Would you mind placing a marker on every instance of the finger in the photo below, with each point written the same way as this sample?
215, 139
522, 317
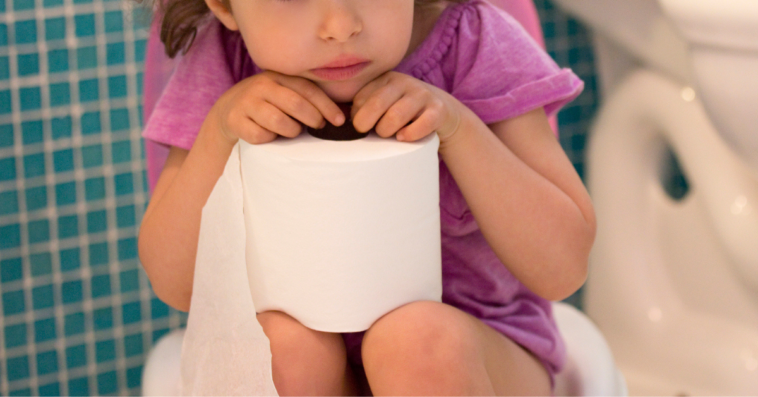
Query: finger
294, 105
271, 118
402, 112
254, 134
425, 124
316, 97
376, 105
365, 92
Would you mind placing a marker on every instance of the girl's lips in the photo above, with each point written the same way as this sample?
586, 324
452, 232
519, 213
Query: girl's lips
340, 73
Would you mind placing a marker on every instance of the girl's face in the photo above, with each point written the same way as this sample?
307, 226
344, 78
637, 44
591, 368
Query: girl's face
339, 44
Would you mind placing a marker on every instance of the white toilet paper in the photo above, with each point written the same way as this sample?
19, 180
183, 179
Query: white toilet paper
340, 233
225, 351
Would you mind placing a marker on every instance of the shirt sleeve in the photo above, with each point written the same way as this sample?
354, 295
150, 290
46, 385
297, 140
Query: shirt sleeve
200, 78
501, 72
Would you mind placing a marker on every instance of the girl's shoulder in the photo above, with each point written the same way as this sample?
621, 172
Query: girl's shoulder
465, 31
487, 60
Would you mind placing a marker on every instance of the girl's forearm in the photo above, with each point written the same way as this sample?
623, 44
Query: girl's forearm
537, 230
171, 225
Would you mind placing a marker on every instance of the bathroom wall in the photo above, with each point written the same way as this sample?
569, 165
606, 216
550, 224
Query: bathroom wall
78, 316
570, 44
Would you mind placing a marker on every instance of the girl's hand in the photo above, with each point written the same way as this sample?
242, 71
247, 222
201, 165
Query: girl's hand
395, 103
266, 105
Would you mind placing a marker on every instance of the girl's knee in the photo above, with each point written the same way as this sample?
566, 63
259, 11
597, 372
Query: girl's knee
428, 332
425, 348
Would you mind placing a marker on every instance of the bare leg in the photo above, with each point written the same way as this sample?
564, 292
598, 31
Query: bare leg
429, 348
306, 362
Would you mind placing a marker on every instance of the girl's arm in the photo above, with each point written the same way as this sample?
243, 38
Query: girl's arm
170, 228
526, 197
529, 202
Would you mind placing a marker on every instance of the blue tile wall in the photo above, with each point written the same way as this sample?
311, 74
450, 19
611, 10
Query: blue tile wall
570, 44
78, 315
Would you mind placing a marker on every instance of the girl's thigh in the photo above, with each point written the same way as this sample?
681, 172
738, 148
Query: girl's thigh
433, 348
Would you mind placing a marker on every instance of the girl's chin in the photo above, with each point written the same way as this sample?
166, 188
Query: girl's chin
342, 93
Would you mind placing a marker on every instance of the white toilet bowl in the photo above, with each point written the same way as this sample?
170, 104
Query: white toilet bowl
590, 368
161, 375
589, 371
712, 45
723, 51
673, 283
663, 287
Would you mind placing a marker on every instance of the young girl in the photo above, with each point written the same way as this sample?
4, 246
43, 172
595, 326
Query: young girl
517, 223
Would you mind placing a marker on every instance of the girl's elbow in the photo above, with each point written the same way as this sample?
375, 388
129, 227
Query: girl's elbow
577, 265
168, 292
164, 286
574, 280
176, 301
566, 285
574, 268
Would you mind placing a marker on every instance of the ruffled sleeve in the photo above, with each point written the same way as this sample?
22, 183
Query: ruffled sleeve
200, 78
498, 71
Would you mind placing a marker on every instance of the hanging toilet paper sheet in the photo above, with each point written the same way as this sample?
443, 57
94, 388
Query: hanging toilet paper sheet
335, 234
225, 351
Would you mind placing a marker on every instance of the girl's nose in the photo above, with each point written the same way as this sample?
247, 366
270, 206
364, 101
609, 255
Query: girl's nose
340, 21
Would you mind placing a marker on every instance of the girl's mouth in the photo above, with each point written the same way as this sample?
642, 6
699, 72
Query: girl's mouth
342, 72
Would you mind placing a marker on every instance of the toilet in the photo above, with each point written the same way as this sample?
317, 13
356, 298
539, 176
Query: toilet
673, 281
723, 49
590, 368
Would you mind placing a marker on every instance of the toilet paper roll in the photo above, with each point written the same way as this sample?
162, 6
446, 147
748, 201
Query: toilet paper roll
340, 233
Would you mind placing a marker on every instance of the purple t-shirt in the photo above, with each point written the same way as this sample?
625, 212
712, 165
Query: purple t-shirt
483, 58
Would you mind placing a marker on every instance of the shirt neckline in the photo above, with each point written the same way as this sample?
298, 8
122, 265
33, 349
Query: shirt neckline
436, 44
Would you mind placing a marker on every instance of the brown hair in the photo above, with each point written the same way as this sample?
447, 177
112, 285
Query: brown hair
182, 18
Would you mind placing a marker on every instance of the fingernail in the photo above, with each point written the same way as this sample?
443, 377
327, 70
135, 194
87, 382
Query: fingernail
400, 137
339, 120
323, 124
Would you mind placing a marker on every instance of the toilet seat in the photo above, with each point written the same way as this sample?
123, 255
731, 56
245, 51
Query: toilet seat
590, 369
